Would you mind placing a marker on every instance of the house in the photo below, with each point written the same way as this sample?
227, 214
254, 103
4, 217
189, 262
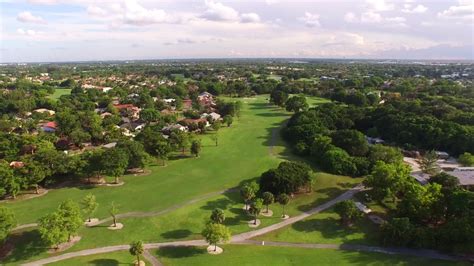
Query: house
206, 99
187, 105
169, 100
44, 111
110, 145
189, 121
215, 116
374, 140
421, 177
17, 164
174, 127
49, 127
362, 207
442, 155
465, 175
128, 110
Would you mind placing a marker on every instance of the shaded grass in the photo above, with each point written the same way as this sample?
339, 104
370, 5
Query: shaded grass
59, 92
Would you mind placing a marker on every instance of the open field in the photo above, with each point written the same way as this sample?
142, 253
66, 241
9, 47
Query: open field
59, 92
266, 255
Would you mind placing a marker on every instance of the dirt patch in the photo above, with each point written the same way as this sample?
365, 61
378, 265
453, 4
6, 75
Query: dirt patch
284, 217
267, 214
252, 223
64, 246
140, 263
118, 226
91, 222
214, 250
27, 195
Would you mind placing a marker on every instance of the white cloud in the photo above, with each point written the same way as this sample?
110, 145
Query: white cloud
310, 20
417, 9
250, 18
380, 5
27, 17
220, 12
370, 17
350, 17
465, 10
96, 11
26, 32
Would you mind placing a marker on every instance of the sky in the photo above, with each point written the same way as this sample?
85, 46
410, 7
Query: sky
85, 30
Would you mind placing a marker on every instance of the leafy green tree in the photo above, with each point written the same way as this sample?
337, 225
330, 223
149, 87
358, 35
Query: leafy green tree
51, 229
136, 249
296, 104
154, 143
228, 120
398, 231
218, 216
348, 212
466, 159
113, 210
256, 208
278, 97
70, 213
9, 182
114, 163
283, 199
215, 233
338, 161
288, 177
149, 115
352, 141
384, 153
7, 223
268, 199
179, 140
89, 205
248, 192
216, 125
137, 156
386, 180
196, 147
428, 163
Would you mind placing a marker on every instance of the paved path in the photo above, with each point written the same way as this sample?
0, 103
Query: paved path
152, 259
144, 214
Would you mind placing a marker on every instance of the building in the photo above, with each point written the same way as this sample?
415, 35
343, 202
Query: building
465, 175
49, 127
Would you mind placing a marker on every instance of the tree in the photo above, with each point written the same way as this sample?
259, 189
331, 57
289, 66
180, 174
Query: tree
398, 231
248, 192
352, 141
179, 140
387, 154
7, 222
114, 163
196, 147
466, 159
386, 180
136, 249
70, 213
89, 205
9, 182
278, 97
283, 199
348, 212
296, 104
113, 212
216, 125
149, 115
338, 161
136, 154
428, 163
268, 199
228, 120
218, 216
215, 233
51, 229
215, 138
256, 208
288, 177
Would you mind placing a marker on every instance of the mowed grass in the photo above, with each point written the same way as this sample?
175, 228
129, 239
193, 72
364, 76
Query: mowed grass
242, 154
59, 92
325, 228
186, 222
283, 256
106, 259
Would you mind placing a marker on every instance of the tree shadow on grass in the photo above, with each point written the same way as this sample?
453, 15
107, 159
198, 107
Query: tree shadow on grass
176, 234
179, 252
327, 194
27, 244
222, 203
106, 262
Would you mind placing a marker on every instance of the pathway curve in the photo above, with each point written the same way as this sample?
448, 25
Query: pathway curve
145, 214
152, 259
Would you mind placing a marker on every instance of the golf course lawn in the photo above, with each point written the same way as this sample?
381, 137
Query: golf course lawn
184, 223
325, 228
274, 256
105, 259
59, 92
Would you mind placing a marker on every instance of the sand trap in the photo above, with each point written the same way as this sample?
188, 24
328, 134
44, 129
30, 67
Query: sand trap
284, 217
65, 246
121, 183
91, 222
252, 223
140, 263
267, 214
117, 227
211, 250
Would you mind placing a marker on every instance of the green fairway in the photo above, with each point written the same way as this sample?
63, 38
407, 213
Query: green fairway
275, 256
59, 92
325, 228
106, 259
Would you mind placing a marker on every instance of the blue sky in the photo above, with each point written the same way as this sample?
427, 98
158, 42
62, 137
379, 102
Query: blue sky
67, 30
